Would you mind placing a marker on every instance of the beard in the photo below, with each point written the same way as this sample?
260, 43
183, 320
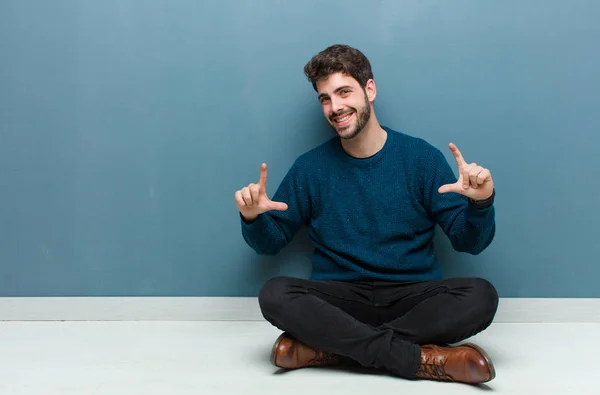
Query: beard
362, 117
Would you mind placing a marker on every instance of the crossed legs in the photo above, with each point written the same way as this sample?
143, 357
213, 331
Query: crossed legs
379, 324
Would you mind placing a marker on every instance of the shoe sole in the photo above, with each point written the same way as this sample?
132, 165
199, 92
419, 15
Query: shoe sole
486, 357
275, 346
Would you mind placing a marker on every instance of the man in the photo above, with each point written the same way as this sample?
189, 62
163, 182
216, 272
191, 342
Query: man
371, 198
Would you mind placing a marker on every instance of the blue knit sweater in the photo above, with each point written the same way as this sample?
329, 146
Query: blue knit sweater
372, 218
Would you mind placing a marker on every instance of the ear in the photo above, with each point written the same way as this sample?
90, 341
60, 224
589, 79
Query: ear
371, 90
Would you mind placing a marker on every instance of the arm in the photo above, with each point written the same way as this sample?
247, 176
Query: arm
270, 231
470, 226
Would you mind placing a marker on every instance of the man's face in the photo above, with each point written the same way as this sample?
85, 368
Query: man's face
345, 104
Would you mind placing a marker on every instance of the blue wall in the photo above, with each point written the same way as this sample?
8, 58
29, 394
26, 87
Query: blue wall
126, 127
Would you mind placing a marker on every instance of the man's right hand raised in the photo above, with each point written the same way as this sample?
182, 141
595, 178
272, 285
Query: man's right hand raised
253, 201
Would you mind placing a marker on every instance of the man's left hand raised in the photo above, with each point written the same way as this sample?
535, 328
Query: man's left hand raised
474, 181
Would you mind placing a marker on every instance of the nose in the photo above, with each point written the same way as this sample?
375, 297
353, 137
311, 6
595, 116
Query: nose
336, 105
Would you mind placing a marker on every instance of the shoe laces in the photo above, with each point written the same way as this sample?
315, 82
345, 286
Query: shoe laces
322, 357
432, 368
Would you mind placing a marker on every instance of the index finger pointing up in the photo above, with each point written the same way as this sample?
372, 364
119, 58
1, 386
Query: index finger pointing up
457, 155
263, 176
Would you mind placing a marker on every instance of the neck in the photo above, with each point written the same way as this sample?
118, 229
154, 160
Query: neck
368, 142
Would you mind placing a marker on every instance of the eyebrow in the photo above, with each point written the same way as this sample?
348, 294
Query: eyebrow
335, 91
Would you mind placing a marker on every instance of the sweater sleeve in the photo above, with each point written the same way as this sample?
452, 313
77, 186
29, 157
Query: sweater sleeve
469, 229
273, 230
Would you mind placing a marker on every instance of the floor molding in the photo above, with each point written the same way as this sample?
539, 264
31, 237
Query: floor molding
510, 310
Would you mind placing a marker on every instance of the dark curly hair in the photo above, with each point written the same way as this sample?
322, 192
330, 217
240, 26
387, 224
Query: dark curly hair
339, 58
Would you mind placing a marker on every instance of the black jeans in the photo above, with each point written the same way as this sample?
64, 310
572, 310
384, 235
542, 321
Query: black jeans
376, 323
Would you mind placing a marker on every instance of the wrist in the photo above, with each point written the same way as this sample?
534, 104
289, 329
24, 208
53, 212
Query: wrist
248, 219
485, 203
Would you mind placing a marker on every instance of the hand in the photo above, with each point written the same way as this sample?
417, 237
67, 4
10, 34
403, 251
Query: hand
474, 181
253, 201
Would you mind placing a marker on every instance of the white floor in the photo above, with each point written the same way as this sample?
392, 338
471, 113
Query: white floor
205, 358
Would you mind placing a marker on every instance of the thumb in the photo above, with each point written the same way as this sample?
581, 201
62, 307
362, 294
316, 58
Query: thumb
450, 188
278, 206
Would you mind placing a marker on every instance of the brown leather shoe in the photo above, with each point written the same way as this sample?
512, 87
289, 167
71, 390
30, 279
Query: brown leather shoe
466, 363
289, 353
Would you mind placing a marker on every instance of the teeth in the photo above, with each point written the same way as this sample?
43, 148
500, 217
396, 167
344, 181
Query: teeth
345, 118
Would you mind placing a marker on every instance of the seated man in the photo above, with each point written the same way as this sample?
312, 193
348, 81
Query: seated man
371, 198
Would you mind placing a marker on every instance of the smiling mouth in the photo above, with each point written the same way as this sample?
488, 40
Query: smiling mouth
344, 119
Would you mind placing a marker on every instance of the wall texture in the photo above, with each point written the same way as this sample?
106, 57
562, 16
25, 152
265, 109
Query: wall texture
126, 126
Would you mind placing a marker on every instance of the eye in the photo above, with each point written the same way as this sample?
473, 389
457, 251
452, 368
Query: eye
324, 100
345, 92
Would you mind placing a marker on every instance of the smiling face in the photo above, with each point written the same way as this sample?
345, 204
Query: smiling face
346, 105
